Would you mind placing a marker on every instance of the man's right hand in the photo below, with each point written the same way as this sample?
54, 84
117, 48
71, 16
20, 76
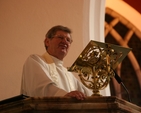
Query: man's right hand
76, 94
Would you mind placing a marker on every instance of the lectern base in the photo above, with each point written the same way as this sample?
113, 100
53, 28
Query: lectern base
93, 104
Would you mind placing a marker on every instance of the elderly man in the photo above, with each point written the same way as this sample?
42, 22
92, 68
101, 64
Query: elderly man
45, 75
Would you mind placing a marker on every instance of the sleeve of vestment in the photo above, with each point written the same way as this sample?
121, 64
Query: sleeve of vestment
36, 80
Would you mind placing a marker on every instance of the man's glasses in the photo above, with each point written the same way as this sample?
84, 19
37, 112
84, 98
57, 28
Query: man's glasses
69, 40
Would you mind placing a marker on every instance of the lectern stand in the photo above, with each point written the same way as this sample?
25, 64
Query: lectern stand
93, 104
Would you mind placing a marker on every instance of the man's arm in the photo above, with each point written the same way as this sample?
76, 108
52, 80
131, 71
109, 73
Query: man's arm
36, 80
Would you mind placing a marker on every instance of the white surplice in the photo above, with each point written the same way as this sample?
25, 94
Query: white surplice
46, 76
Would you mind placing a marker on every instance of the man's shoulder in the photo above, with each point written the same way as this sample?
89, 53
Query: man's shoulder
34, 57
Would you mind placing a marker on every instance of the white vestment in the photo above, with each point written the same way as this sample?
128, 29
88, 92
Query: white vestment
46, 76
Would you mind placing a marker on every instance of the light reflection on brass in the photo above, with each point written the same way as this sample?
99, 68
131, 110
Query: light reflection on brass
96, 63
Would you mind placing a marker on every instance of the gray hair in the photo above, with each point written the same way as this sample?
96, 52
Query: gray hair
51, 32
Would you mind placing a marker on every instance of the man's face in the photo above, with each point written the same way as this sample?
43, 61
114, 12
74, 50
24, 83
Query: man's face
59, 45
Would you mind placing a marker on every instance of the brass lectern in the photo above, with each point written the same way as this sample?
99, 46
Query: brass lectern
96, 64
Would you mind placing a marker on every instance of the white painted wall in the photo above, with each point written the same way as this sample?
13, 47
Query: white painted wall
23, 25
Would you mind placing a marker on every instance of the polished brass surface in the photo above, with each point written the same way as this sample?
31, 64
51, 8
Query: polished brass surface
96, 63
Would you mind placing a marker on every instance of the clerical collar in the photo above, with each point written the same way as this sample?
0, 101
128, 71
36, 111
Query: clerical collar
57, 61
